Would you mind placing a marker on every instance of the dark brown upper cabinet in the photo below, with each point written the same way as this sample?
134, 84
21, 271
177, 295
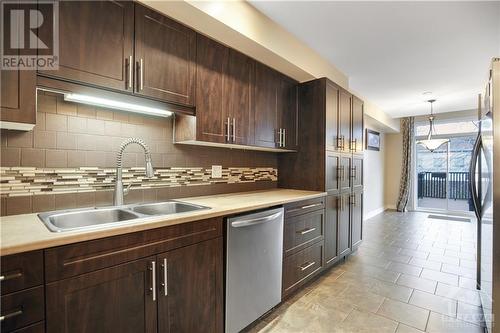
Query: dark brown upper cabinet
165, 54
266, 114
344, 120
18, 99
357, 125
333, 142
96, 43
275, 109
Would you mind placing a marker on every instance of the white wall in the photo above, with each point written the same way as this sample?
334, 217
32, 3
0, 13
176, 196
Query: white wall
373, 175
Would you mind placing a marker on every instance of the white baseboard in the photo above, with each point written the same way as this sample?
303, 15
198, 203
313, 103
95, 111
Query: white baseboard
373, 213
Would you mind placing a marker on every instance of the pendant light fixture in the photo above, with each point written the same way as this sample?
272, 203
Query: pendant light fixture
430, 143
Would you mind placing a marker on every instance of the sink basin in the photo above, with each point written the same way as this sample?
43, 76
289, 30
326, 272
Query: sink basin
85, 219
164, 208
95, 218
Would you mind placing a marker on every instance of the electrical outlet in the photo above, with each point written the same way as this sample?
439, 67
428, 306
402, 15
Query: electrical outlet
216, 171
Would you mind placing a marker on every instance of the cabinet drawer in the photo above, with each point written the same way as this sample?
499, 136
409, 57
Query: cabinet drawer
301, 266
305, 206
75, 259
21, 271
22, 308
303, 230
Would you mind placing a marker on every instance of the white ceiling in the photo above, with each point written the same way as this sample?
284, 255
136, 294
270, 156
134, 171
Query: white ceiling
395, 51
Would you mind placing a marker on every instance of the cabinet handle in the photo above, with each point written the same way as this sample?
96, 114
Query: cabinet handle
353, 172
353, 200
234, 129
141, 74
129, 72
11, 315
165, 277
228, 130
280, 133
284, 137
152, 268
339, 142
10, 276
342, 137
306, 231
306, 265
310, 206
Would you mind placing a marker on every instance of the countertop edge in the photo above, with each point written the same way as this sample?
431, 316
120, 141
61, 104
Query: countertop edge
158, 222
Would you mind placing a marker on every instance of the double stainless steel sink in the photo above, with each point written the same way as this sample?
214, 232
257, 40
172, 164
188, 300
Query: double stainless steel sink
94, 218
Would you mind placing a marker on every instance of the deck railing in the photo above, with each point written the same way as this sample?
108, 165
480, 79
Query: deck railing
433, 185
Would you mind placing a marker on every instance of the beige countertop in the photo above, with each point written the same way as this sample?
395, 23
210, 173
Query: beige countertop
21, 233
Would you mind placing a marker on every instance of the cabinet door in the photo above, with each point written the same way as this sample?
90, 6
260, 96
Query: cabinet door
333, 172
344, 120
356, 172
266, 106
333, 141
331, 225
96, 42
116, 299
343, 231
190, 295
211, 117
344, 173
238, 90
165, 53
357, 125
18, 96
356, 219
288, 112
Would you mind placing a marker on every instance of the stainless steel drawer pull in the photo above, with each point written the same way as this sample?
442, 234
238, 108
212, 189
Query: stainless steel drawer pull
130, 72
153, 279
306, 231
310, 206
165, 277
10, 315
141, 75
10, 276
284, 137
307, 265
228, 132
234, 129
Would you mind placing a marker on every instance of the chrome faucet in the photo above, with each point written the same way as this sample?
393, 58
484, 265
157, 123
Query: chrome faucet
119, 192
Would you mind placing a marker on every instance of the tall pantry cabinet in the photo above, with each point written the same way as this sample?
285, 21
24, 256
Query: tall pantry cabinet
330, 159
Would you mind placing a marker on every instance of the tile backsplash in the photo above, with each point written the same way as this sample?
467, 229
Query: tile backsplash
85, 139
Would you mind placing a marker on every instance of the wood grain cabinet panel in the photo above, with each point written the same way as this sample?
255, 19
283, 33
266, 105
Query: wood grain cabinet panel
211, 113
345, 173
22, 308
356, 172
95, 43
116, 299
266, 114
303, 230
345, 120
333, 172
190, 289
344, 225
356, 218
331, 226
21, 271
357, 125
165, 53
288, 113
332, 140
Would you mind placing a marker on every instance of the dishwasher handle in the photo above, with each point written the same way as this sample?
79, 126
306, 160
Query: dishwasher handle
258, 220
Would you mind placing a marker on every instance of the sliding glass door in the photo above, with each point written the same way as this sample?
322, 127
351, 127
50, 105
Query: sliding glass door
442, 176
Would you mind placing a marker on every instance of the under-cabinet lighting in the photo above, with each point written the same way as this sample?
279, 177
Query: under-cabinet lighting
114, 104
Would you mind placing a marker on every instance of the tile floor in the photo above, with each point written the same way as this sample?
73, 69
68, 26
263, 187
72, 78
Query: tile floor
411, 274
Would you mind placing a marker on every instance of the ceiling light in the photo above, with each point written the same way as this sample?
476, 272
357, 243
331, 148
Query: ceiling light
430, 143
114, 104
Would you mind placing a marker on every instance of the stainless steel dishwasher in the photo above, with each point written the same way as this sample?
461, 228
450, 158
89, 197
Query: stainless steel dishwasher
254, 256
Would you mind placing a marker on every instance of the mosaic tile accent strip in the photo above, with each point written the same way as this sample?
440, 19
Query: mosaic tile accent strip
25, 181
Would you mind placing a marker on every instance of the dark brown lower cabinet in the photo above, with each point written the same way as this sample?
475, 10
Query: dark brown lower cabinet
356, 219
343, 228
331, 225
189, 288
115, 299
